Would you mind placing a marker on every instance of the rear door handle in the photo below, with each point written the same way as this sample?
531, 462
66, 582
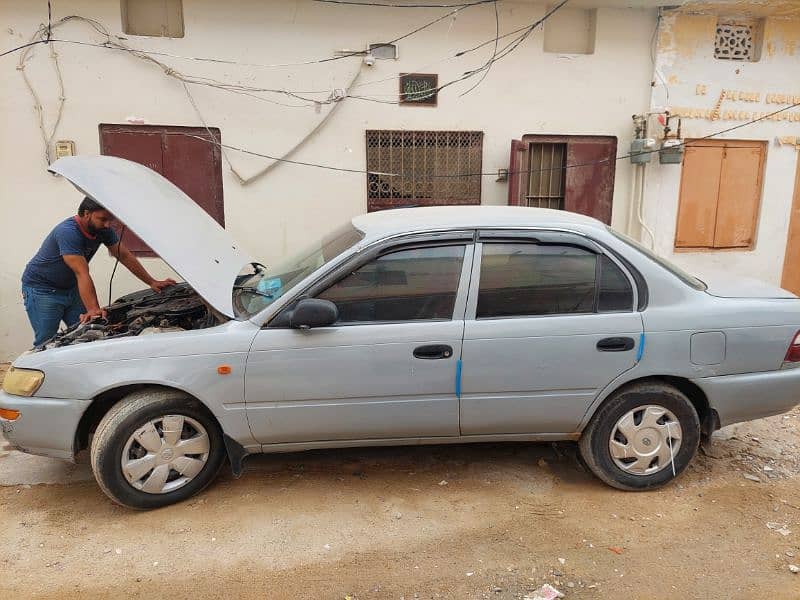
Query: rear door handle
616, 344
433, 351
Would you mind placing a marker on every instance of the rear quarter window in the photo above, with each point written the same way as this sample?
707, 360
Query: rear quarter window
685, 277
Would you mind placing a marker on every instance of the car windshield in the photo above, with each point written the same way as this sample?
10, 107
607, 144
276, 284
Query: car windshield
253, 291
690, 280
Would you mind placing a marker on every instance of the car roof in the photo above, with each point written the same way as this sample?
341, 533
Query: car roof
408, 220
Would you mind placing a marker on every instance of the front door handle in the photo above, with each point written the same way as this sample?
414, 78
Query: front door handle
433, 351
616, 344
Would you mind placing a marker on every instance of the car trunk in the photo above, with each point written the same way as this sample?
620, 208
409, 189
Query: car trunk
743, 287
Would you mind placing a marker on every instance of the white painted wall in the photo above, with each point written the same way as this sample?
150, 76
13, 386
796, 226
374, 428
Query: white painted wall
529, 92
685, 59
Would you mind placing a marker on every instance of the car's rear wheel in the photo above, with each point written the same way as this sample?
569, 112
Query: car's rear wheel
156, 447
642, 437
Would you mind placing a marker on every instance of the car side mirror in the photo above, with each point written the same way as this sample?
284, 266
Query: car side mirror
313, 312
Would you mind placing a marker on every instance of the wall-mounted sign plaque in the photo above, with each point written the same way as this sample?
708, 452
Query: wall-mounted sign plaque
418, 88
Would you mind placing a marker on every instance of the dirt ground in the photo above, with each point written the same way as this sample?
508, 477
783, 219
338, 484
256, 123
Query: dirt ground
471, 521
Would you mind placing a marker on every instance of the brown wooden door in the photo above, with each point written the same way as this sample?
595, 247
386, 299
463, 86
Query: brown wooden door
588, 169
791, 262
187, 156
590, 179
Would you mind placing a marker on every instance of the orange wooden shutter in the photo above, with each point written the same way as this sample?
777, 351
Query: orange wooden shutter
791, 262
697, 210
739, 195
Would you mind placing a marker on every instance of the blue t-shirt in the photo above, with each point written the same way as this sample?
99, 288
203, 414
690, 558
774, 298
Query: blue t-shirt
48, 269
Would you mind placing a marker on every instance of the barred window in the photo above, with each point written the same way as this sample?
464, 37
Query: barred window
423, 168
547, 175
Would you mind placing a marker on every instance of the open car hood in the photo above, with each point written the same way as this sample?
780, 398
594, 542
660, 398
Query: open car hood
166, 219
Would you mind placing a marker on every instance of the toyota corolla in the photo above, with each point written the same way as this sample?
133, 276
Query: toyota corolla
411, 326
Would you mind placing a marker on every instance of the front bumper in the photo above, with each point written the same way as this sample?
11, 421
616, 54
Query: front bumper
45, 426
751, 396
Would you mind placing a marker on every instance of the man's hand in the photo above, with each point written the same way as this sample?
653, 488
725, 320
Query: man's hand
93, 314
159, 284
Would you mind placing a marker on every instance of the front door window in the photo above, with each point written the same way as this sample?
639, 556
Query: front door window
415, 284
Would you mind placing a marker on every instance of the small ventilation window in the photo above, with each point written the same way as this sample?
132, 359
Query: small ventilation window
737, 41
155, 18
383, 51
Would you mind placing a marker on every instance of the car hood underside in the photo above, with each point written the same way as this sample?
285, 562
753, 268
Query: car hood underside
166, 219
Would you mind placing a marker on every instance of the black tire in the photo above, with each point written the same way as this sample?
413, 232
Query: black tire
594, 442
123, 419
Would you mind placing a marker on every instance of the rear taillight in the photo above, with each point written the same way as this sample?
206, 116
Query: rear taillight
793, 353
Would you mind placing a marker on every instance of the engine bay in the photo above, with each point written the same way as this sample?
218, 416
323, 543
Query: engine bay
176, 308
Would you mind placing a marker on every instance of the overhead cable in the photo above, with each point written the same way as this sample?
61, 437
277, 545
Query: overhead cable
494, 54
328, 59
482, 174
505, 51
23, 46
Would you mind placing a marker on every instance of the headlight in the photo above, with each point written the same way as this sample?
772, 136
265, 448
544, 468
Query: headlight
22, 382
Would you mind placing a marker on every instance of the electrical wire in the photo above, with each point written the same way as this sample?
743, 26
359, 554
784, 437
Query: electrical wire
656, 70
47, 139
49, 22
526, 31
480, 174
494, 54
116, 263
119, 46
510, 47
23, 46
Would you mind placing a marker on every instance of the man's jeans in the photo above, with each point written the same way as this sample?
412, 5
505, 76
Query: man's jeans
47, 307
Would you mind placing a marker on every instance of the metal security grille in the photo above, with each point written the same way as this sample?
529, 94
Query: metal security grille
422, 168
547, 175
734, 42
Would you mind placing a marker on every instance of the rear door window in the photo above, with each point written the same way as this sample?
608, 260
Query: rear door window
525, 279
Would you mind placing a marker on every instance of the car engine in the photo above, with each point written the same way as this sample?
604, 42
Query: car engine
176, 308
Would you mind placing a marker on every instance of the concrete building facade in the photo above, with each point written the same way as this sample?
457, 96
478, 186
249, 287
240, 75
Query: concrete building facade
160, 81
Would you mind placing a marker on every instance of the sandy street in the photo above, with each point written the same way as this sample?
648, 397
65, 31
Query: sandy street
472, 521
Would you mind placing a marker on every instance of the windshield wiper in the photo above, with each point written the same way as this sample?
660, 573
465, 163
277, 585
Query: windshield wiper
253, 291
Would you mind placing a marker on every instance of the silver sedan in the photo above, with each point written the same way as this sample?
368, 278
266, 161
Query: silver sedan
412, 326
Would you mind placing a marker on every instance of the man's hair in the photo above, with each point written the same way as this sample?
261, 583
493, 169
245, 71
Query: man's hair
89, 205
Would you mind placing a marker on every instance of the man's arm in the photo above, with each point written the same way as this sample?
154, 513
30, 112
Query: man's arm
132, 263
86, 289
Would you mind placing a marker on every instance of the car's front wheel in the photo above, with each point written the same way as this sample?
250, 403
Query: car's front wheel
156, 447
642, 437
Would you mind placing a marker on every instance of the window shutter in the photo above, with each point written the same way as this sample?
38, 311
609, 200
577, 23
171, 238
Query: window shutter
697, 213
720, 194
739, 193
